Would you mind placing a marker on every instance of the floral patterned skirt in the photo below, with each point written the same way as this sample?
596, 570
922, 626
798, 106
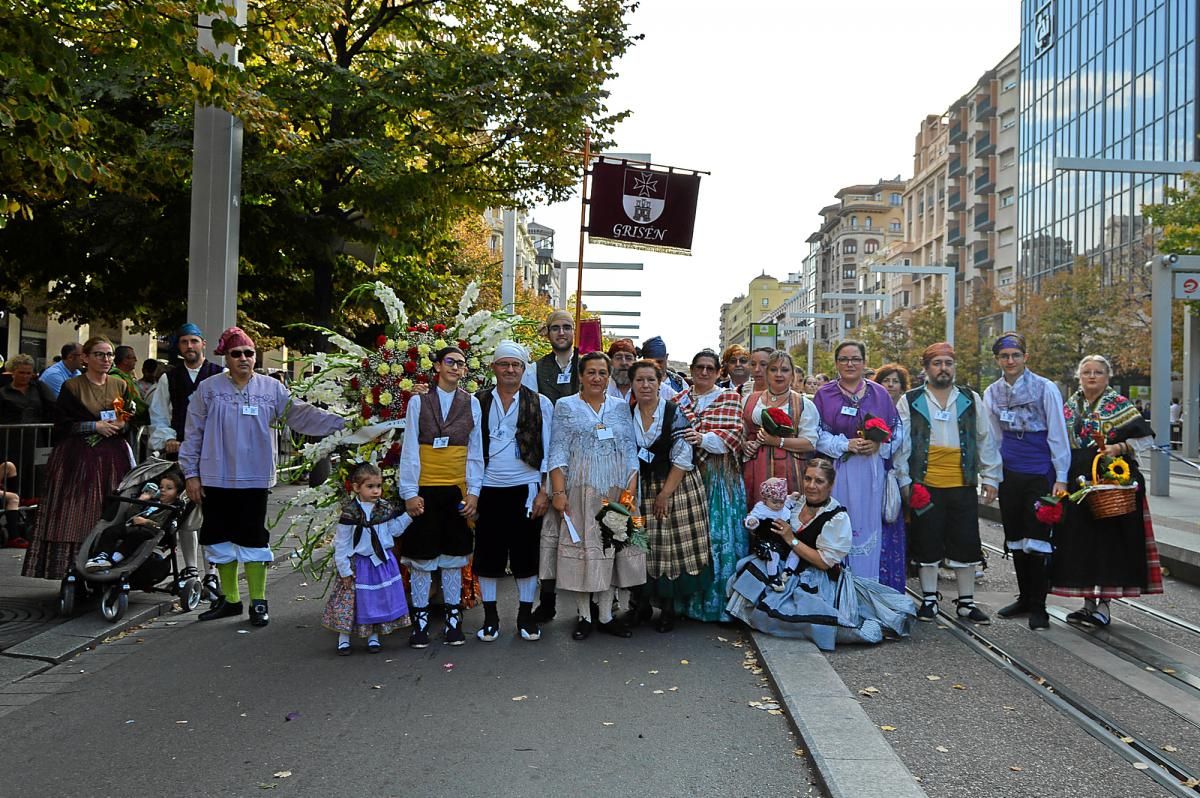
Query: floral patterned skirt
374, 604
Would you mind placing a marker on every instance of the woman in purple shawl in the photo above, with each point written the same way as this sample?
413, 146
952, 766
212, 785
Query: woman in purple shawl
845, 404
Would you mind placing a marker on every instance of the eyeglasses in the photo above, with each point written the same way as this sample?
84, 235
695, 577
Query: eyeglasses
105, 355
1093, 374
241, 354
454, 363
561, 328
848, 360
704, 369
741, 360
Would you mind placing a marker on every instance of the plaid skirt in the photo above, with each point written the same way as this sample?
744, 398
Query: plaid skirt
679, 543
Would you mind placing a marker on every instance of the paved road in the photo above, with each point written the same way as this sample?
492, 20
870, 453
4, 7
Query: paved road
203, 708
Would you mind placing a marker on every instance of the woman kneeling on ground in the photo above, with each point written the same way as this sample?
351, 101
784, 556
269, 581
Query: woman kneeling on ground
823, 602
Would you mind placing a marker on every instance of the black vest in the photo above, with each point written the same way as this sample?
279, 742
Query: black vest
181, 388
547, 377
530, 446
660, 466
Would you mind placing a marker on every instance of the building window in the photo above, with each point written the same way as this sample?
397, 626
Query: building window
849, 247
868, 222
849, 273
1007, 200
894, 226
894, 199
766, 303
854, 221
1009, 85
870, 245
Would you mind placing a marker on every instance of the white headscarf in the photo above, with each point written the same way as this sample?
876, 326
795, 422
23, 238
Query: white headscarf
510, 348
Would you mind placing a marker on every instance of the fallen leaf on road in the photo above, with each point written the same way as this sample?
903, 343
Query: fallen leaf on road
1008, 708
377, 687
282, 774
684, 662
658, 692
869, 692
798, 752
520, 697
959, 686
1151, 668
288, 716
1126, 739
1015, 768
774, 711
933, 678
1170, 749
241, 632
1191, 783
180, 721
447, 666
267, 786
723, 639
754, 704
943, 749
1168, 670
673, 689
1141, 766
651, 671
888, 728
128, 722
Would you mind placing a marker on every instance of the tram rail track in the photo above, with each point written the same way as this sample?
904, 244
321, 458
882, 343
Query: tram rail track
1177, 778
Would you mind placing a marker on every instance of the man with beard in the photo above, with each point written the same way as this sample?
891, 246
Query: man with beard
623, 354
168, 419
515, 428
947, 449
554, 375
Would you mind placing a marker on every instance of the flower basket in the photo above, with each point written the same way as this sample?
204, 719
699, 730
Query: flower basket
1107, 500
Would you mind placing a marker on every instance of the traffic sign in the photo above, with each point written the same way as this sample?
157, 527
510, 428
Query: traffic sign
1187, 285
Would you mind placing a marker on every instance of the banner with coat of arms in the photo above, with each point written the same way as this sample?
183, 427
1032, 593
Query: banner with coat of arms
642, 208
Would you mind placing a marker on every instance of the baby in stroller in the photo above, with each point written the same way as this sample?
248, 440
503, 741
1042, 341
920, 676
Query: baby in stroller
120, 541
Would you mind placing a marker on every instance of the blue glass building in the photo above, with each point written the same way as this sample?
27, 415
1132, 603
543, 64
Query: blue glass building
1100, 79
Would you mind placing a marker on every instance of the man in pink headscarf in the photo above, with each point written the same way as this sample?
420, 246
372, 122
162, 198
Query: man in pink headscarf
228, 458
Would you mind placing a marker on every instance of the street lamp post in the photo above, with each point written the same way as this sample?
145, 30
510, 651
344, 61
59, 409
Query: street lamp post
948, 289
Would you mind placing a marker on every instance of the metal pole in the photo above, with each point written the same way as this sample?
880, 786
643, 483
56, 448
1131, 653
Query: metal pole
811, 336
1191, 384
1160, 375
583, 200
508, 272
216, 189
950, 307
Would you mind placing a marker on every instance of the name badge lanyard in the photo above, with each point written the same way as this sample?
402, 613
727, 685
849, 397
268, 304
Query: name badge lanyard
1007, 410
246, 409
852, 400
498, 432
600, 427
939, 413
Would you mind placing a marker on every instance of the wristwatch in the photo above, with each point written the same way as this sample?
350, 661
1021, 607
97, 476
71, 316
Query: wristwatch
794, 543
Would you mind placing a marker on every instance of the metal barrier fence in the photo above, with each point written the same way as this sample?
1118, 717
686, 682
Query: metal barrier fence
26, 447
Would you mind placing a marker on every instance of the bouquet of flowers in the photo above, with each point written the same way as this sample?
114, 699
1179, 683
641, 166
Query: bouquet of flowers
371, 388
875, 429
777, 422
919, 501
1049, 509
619, 526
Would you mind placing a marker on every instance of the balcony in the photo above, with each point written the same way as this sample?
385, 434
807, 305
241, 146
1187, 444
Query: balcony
952, 261
954, 234
985, 145
985, 183
957, 166
982, 256
985, 216
984, 107
957, 201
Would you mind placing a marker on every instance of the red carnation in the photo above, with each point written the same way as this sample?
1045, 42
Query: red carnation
412, 329
404, 397
422, 378
381, 340
386, 354
375, 392
354, 383
366, 363
439, 328
366, 410
920, 500
385, 413
1048, 513
463, 345
422, 327
410, 367
876, 429
413, 353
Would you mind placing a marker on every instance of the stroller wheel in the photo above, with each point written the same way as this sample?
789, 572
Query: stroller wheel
66, 597
114, 602
189, 595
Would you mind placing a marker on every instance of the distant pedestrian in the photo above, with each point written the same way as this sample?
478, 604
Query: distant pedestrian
228, 457
368, 595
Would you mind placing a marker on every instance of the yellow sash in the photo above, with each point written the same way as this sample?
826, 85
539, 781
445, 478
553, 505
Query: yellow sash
446, 466
945, 467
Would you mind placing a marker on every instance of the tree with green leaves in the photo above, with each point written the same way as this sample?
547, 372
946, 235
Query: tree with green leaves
381, 126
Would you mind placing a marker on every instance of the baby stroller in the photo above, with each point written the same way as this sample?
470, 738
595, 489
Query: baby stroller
154, 560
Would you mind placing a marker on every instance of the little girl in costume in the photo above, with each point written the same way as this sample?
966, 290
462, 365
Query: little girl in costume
774, 505
368, 596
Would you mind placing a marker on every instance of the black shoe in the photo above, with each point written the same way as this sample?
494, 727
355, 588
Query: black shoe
927, 611
258, 612
1080, 618
420, 633
488, 633
221, 609
583, 629
1016, 609
970, 612
545, 609
615, 628
343, 649
453, 629
666, 621
641, 613
1038, 618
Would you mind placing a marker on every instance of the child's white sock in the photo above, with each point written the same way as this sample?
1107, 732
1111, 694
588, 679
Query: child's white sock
343, 638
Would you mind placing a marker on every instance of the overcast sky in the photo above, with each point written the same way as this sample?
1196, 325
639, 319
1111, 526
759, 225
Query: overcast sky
785, 102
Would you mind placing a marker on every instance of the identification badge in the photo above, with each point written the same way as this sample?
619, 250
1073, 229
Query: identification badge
604, 434
499, 433
1008, 416
249, 410
645, 455
564, 379
847, 410
108, 415
942, 415
441, 443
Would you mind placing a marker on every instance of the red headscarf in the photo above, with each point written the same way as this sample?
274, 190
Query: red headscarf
940, 349
231, 339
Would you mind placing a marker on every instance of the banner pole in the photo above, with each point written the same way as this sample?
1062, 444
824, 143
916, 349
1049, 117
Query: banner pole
587, 157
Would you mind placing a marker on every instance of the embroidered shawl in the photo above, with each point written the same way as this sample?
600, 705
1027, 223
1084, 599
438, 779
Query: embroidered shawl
722, 417
1111, 413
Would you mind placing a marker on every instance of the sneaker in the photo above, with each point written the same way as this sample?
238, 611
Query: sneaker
529, 630
258, 612
1100, 619
971, 612
927, 611
488, 633
98, 563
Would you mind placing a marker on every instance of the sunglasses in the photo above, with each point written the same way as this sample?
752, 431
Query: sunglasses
246, 354
703, 369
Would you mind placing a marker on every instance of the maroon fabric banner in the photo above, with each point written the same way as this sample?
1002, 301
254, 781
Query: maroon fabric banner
643, 208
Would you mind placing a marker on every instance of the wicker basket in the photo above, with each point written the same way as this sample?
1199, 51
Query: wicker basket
1110, 501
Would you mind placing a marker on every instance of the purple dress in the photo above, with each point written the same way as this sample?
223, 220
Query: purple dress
877, 549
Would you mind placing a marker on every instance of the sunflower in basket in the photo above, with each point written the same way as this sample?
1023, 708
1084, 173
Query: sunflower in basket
1118, 471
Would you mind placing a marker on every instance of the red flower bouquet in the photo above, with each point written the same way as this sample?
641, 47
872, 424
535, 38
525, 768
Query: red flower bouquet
1048, 513
777, 422
875, 429
920, 501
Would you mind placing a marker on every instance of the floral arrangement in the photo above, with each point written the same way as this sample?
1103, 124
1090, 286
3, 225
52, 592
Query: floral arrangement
619, 526
875, 429
371, 389
120, 415
1049, 509
777, 422
919, 501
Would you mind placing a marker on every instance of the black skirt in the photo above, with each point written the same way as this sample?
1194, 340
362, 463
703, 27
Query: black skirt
235, 515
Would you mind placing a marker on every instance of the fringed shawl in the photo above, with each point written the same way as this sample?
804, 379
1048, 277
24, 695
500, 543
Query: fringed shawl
722, 417
1111, 413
